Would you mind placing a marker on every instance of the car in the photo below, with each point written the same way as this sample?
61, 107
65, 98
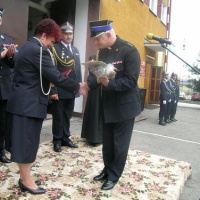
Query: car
195, 96
182, 95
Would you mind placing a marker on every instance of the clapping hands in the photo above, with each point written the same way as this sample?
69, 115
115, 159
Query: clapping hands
83, 88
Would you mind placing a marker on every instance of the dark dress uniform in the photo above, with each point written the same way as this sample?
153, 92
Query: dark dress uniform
119, 105
172, 85
164, 100
177, 92
6, 64
68, 61
92, 127
29, 98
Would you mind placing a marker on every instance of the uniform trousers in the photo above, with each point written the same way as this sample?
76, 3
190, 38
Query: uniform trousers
116, 141
62, 111
162, 112
3, 121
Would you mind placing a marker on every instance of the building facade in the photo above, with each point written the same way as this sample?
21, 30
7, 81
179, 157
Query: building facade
132, 20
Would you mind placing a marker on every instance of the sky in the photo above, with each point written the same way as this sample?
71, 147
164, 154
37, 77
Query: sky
184, 28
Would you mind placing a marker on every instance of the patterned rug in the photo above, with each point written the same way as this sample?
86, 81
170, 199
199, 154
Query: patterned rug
69, 175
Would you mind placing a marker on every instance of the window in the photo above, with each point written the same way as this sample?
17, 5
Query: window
164, 13
153, 6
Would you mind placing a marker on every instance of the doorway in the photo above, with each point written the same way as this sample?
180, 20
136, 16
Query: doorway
59, 10
156, 77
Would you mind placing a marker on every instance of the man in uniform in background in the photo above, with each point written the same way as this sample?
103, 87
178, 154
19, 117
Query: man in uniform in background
68, 63
165, 93
7, 50
173, 88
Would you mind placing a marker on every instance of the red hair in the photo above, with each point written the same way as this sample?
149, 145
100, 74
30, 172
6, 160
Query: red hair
49, 27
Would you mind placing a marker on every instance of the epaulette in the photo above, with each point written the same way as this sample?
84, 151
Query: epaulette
127, 43
66, 64
6, 35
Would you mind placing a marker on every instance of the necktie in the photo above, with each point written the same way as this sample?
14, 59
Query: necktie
68, 47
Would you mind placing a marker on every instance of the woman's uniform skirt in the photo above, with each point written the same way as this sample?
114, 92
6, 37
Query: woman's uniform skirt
23, 138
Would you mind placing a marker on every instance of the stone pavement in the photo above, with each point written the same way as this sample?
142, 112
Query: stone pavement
179, 140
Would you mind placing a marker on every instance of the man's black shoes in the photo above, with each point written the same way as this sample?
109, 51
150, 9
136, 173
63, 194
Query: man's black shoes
69, 144
57, 148
108, 185
100, 177
4, 159
162, 123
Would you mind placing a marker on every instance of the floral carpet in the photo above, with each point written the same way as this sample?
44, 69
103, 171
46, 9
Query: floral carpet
69, 175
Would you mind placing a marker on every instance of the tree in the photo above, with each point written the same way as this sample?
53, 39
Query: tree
196, 66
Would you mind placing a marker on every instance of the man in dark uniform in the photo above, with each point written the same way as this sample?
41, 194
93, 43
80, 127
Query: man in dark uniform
173, 88
164, 98
119, 100
177, 92
7, 50
68, 62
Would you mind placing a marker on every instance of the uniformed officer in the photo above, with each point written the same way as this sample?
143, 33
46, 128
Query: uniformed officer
177, 91
165, 93
68, 63
119, 99
172, 86
7, 50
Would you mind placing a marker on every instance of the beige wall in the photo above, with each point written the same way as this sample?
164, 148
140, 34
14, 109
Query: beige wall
132, 20
15, 20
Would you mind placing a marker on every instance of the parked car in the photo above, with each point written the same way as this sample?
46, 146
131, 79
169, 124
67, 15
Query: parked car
195, 96
182, 95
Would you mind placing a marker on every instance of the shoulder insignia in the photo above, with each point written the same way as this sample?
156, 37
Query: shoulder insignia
66, 64
127, 43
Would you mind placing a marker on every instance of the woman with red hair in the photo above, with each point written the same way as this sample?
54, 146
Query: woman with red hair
27, 104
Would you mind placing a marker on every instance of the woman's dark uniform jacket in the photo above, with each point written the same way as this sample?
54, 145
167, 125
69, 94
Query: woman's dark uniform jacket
26, 98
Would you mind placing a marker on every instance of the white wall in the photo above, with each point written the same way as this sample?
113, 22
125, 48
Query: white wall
80, 37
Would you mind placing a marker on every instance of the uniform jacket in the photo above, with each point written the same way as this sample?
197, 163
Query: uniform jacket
66, 55
172, 87
5, 69
27, 98
121, 100
164, 91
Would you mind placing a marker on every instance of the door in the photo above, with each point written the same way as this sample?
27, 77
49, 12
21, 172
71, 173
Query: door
156, 76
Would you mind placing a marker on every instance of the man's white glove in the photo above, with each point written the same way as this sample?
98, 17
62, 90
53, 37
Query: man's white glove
175, 101
164, 102
169, 100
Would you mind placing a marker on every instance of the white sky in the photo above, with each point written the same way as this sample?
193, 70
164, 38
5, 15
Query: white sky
185, 15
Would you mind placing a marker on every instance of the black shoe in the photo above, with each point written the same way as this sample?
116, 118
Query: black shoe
57, 148
69, 144
95, 144
167, 121
4, 159
100, 177
26, 189
37, 182
162, 123
174, 120
108, 185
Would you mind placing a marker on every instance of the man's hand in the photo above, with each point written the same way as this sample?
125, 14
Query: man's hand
83, 88
3, 53
54, 97
11, 50
104, 81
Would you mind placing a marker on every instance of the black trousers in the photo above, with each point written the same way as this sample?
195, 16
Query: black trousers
116, 141
3, 123
62, 111
162, 112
